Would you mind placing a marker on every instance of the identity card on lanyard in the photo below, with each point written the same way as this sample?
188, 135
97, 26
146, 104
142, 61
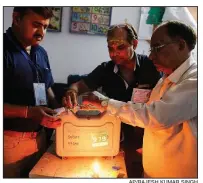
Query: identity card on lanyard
40, 94
40, 91
39, 88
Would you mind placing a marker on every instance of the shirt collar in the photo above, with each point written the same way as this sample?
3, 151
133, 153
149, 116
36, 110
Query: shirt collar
116, 69
176, 75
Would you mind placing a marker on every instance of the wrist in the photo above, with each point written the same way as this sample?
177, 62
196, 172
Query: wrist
105, 102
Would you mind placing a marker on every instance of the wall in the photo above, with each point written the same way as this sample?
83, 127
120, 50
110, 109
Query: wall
78, 54
193, 11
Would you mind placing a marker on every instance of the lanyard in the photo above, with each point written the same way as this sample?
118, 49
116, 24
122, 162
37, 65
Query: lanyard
24, 54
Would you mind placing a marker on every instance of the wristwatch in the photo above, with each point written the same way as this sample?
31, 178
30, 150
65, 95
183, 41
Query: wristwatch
104, 102
102, 99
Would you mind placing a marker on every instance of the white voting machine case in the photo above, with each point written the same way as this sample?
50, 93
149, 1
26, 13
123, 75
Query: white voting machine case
88, 133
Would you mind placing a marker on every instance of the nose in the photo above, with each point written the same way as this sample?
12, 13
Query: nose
41, 30
114, 53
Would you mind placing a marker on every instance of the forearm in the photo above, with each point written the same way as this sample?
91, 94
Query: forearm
15, 111
126, 112
80, 87
161, 114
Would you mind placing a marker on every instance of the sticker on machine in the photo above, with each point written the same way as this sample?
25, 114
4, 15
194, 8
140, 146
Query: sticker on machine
99, 139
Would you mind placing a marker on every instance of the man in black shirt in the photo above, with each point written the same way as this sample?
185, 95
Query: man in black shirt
118, 77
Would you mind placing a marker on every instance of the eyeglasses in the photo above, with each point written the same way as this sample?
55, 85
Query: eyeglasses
156, 49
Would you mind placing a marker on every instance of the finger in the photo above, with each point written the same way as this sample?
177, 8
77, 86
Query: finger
69, 102
68, 94
55, 118
73, 98
75, 102
64, 102
47, 121
53, 124
49, 111
48, 117
56, 124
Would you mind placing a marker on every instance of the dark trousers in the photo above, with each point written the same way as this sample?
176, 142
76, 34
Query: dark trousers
133, 140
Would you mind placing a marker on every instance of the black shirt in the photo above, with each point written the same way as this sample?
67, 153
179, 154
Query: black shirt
112, 83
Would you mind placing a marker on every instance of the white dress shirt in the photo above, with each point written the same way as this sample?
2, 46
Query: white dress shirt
170, 122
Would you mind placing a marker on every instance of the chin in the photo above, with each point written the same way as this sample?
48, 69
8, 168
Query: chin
118, 62
35, 43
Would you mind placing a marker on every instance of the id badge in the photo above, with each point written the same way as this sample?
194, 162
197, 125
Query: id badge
40, 94
140, 95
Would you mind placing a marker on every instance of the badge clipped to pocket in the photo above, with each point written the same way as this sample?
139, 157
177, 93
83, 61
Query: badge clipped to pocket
140, 95
40, 94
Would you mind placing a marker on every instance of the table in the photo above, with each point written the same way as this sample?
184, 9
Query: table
50, 165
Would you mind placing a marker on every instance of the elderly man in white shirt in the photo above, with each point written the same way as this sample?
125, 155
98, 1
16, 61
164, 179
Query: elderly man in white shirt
170, 115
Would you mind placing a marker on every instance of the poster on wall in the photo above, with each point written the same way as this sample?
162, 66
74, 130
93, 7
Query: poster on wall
90, 20
55, 22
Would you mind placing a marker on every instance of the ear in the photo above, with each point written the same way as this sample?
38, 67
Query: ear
16, 18
182, 44
135, 42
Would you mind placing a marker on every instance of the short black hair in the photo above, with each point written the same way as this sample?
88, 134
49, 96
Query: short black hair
46, 12
178, 29
132, 34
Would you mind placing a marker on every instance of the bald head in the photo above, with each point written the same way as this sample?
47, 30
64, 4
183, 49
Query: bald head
126, 29
171, 45
178, 30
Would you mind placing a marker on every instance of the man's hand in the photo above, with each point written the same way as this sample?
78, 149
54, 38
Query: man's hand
70, 99
96, 99
44, 116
